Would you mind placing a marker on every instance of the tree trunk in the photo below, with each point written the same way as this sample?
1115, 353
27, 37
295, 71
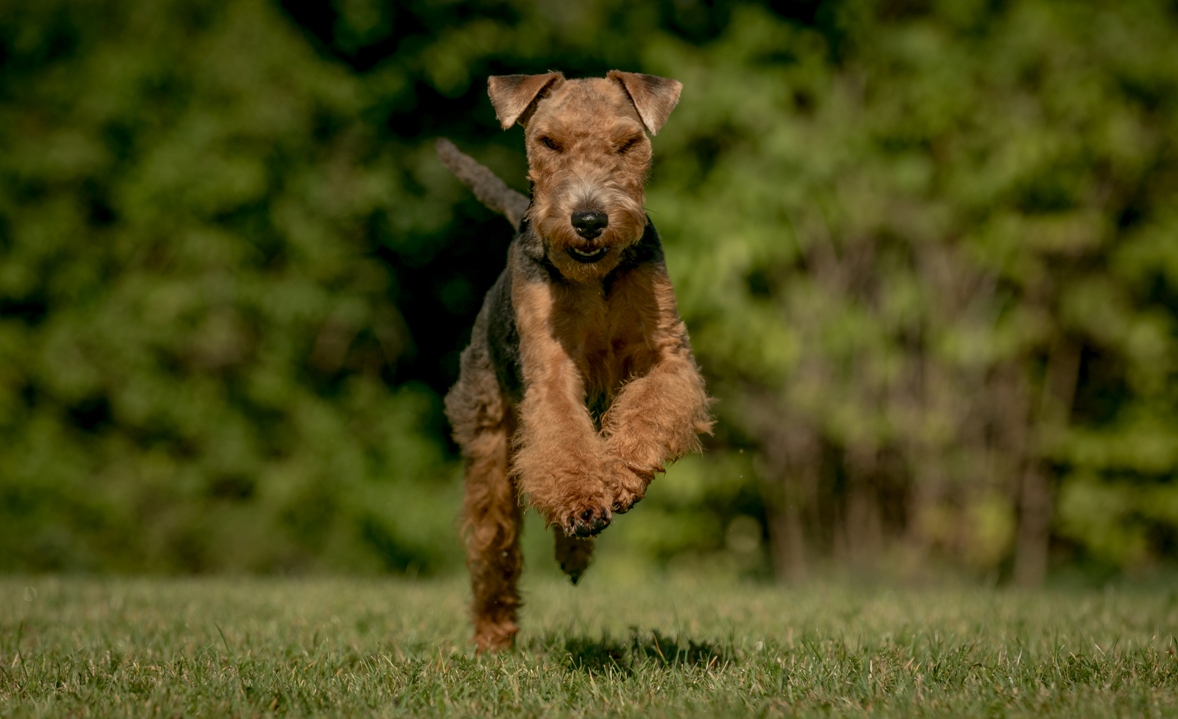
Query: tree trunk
793, 458
1036, 496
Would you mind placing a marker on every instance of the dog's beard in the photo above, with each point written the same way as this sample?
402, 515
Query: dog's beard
575, 256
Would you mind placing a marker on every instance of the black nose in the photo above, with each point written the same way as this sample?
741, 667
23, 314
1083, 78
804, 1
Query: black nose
590, 224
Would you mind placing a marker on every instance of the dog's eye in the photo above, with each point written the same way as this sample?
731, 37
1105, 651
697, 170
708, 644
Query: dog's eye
627, 145
550, 144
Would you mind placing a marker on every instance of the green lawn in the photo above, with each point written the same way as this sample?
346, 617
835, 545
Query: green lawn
247, 647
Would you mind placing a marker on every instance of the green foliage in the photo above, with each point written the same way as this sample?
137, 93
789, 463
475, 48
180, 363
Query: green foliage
934, 276
346, 648
927, 253
196, 332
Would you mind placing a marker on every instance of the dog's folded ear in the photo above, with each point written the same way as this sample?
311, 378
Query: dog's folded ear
514, 97
653, 96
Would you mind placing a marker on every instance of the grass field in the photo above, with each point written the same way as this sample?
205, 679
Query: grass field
353, 648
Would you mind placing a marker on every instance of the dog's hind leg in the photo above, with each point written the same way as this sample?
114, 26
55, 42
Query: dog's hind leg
574, 554
493, 519
492, 516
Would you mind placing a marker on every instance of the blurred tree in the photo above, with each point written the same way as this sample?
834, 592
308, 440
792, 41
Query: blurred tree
928, 253
934, 277
198, 331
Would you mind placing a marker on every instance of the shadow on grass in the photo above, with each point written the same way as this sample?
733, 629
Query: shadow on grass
600, 656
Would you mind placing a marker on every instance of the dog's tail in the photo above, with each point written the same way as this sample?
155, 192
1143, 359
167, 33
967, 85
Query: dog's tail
486, 185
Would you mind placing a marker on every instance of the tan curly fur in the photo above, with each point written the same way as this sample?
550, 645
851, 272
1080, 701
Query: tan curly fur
579, 384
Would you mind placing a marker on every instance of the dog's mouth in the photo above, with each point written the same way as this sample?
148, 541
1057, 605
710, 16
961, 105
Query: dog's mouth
588, 256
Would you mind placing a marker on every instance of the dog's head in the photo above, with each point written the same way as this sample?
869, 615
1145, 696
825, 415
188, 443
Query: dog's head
588, 158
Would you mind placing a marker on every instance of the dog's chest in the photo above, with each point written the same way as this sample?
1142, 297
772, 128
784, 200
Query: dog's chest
607, 339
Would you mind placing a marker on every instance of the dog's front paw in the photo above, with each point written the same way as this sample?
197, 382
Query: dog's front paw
587, 520
576, 500
626, 498
628, 486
